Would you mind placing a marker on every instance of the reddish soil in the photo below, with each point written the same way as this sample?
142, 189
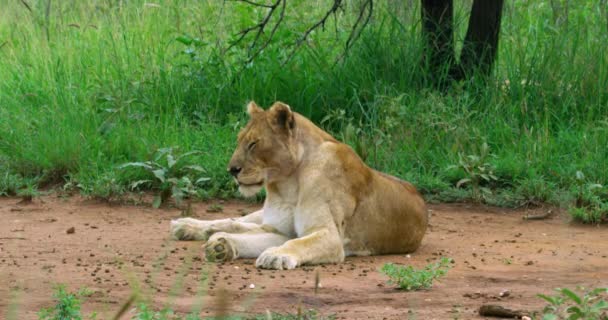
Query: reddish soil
115, 250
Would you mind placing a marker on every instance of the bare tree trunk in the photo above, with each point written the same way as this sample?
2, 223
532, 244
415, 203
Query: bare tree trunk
481, 42
437, 27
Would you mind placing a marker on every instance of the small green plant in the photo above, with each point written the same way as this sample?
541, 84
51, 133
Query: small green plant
215, 208
477, 170
10, 183
144, 312
67, 306
170, 175
407, 278
567, 304
28, 193
591, 205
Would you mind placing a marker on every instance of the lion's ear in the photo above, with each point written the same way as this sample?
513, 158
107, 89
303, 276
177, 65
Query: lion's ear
282, 116
252, 108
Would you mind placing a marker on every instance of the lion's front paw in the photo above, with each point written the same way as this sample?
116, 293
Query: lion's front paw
219, 250
273, 258
191, 229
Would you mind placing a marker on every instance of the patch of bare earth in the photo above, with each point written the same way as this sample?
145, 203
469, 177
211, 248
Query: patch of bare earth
113, 250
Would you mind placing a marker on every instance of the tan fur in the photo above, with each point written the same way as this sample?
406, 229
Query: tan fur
323, 203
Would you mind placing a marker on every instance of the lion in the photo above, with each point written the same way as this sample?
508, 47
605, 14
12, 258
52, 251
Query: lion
323, 202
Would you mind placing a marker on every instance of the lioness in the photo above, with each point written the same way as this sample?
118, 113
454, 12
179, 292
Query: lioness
322, 202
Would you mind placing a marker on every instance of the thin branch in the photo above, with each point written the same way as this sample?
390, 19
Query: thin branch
259, 27
272, 32
26, 5
269, 6
356, 31
255, 48
321, 23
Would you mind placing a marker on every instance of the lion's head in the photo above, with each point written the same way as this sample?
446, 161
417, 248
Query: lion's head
266, 150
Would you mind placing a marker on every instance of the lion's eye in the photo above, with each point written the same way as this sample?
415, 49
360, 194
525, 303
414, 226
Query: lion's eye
251, 145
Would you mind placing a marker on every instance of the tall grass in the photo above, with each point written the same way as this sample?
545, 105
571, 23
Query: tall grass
94, 84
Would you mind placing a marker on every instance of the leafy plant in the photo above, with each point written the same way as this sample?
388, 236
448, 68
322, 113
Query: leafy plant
591, 205
407, 278
144, 312
169, 175
477, 169
369, 132
567, 304
67, 306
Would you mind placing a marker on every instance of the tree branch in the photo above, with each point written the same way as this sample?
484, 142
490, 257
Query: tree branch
26, 5
321, 23
255, 48
356, 31
269, 6
251, 52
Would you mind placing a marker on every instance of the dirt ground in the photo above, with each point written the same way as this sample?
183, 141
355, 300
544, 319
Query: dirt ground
116, 249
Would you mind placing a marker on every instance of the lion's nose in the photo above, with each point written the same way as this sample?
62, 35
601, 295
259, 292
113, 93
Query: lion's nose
234, 171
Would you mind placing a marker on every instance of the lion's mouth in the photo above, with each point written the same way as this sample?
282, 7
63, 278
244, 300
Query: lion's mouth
256, 184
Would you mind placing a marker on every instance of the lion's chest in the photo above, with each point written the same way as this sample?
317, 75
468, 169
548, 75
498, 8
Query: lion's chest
280, 216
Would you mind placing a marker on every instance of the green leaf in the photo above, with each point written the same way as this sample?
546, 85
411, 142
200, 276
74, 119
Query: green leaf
549, 316
595, 186
575, 313
571, 295
195, 168
161, 152
160, 174
170, 161
580, 176
184, 39
137, 183
551, 300
135, 164
201, 180
601, 305
462, 181
187, 154
157, 201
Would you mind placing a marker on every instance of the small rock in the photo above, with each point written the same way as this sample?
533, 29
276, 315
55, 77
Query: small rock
505, 293
252, 286
71, 230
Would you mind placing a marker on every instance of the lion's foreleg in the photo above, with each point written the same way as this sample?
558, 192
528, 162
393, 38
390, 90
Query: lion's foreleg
194, 229
229, 246
322, 246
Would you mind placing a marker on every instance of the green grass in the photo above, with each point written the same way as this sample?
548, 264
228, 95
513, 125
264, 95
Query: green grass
407, 278
68, 307
96, 84
576, 304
